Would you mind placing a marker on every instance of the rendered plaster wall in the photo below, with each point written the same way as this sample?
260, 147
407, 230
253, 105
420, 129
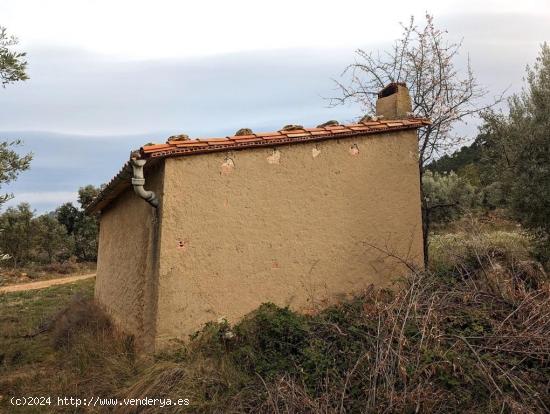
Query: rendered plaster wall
127, 262
291, 225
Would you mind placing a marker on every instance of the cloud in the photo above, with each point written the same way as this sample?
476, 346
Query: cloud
141, 29
106, 106
198, 96
80, 92
40, 199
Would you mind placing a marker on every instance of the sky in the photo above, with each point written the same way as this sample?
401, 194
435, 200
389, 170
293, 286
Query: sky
109, 76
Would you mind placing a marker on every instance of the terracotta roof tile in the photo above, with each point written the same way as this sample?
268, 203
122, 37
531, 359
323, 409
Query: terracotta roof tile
175, 148
340, 131
239, 137
156, 147
293, 131
268, 134
298, 134
189, 147
251, 138
191, 143
216, 140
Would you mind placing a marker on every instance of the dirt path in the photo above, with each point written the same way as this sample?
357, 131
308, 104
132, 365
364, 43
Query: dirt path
44, 283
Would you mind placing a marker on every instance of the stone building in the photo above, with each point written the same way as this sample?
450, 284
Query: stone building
195, 230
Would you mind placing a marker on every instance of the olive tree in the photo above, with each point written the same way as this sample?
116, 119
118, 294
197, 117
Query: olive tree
17, 234
83, 229
51, 240
516, 147
447, 196
12, 69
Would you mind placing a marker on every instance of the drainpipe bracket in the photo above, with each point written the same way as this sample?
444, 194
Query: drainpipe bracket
137, 162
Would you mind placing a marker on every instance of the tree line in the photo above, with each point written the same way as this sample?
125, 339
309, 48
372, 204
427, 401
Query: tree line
57, 236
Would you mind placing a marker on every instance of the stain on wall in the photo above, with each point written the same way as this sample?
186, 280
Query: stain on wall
354, 149
227, 166
315, 152
274, 157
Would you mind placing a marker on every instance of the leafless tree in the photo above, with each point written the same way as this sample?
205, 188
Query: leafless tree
426, 62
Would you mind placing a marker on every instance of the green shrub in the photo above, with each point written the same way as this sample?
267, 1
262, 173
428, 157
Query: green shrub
467, 250
271, 340
447, 196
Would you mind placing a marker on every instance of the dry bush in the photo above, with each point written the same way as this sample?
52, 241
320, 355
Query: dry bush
94, 358
436, 348
64, 268
81, 316
473, 240
211, 381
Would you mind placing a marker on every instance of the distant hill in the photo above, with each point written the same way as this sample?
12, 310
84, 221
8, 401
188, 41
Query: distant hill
470, 154
465, 162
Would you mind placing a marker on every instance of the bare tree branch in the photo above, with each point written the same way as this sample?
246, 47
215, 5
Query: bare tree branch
425, 60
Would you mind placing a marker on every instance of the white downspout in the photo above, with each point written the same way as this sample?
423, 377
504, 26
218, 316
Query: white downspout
138, 181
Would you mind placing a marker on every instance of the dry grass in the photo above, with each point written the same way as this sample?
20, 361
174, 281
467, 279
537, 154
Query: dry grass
36, 272
80, 316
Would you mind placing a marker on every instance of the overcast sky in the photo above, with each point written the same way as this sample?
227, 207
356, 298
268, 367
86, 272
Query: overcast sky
108, 76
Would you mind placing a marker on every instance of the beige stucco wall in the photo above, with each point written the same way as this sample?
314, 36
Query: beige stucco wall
127, 266
291, 225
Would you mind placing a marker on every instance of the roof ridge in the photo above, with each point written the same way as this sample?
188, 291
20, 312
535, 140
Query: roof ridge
256, 137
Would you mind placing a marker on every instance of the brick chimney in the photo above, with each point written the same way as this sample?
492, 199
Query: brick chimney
394, 101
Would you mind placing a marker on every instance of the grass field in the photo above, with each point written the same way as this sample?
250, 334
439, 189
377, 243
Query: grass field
24, 314
25, 352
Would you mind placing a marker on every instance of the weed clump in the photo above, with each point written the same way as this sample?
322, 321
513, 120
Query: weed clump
64, 268
80, 316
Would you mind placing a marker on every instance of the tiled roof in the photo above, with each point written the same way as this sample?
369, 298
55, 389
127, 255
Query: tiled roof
282, 137
183, 147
